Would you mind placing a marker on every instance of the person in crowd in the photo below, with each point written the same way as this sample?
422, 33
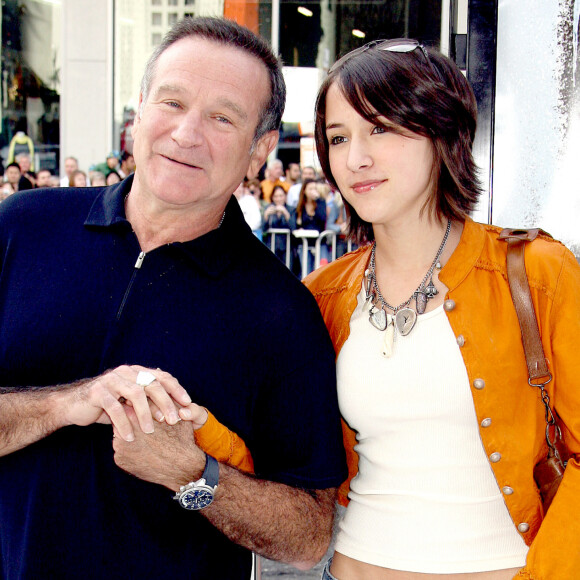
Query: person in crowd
255, 189
277, 216
120, 304
112, 163
12, 175
127, 164
71, 164
294, 192
112, 178
55, 181
27, 177
442, 428
336, 220
98, 179
250, 209
292, 174
78, 179
43, 178
274, 176
310, 214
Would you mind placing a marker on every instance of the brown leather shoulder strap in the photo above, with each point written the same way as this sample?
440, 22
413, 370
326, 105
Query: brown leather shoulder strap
520, 291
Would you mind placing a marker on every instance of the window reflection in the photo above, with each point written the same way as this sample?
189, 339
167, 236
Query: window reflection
31, 82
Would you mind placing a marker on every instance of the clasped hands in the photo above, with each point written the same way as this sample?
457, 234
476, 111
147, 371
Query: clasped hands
150, 439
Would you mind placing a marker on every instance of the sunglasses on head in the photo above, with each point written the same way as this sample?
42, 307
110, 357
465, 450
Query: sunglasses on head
401, 45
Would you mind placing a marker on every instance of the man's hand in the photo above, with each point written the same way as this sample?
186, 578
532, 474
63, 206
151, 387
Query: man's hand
277, 521
168, 457
106, 399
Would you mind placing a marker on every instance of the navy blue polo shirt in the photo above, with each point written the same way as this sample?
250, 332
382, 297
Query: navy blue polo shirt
220, 313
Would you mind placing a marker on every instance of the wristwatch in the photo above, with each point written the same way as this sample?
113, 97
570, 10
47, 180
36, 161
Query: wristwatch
197, 495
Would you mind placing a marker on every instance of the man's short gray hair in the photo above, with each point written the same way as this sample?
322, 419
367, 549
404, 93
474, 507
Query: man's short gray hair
229, 33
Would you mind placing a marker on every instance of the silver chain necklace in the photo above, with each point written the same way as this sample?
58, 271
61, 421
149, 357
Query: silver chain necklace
403, 318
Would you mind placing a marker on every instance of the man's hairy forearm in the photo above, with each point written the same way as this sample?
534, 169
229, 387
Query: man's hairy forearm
274, 520
27, 415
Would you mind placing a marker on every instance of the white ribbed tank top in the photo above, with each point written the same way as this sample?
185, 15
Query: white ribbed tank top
425, 498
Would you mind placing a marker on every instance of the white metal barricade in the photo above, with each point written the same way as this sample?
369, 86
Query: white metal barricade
273, 232
304, 236
317, 247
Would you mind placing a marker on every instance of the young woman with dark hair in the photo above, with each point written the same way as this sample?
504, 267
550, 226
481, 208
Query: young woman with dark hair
310, 214
441, 428
277, 215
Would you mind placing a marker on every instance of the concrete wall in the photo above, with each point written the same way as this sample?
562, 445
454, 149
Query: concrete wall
86, 97
536, 181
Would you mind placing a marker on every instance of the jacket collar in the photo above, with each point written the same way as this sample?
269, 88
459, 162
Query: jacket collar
465, 256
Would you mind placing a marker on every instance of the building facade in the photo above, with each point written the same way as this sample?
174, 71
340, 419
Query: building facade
71, 71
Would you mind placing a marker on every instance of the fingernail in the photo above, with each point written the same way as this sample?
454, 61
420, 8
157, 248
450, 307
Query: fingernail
130, 437
186, 413
159, 416
187, 399
173, 418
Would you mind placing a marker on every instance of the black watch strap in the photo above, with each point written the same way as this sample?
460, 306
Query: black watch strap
211, 473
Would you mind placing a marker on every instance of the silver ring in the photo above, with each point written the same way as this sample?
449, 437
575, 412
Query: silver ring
145, 378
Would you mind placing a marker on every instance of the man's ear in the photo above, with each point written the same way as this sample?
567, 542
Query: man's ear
262, 149
137, 118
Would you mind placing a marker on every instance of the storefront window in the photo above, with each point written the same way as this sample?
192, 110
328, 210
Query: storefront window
314, 33
31, 81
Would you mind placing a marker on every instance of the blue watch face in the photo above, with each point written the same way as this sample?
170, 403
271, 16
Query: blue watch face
196, 499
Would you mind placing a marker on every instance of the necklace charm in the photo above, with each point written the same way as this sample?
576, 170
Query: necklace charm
368, 285
389, 339
405, 320
421, 298
430, 289
378, 318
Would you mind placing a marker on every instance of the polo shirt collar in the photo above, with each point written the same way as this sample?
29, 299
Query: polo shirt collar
213, 252
109, 205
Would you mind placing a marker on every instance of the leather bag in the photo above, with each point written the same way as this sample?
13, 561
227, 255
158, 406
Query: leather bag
549, 471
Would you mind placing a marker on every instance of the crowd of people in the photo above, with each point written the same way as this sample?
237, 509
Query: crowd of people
18, 174
294, 199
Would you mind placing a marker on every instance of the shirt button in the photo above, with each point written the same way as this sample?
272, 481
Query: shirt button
479, 384
495, 457
449, 305
461, 340
507, 490
486, 422
523, 528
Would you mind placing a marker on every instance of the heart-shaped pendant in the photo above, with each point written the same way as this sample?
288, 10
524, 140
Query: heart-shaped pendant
378, 318
405, 320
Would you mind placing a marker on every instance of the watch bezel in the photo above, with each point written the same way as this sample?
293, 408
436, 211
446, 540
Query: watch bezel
200, 493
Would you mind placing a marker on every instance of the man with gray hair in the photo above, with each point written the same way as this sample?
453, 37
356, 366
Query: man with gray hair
274, 177
121, 305
71, 164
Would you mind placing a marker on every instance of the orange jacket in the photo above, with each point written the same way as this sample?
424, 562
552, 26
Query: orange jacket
481, 313
482, 316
